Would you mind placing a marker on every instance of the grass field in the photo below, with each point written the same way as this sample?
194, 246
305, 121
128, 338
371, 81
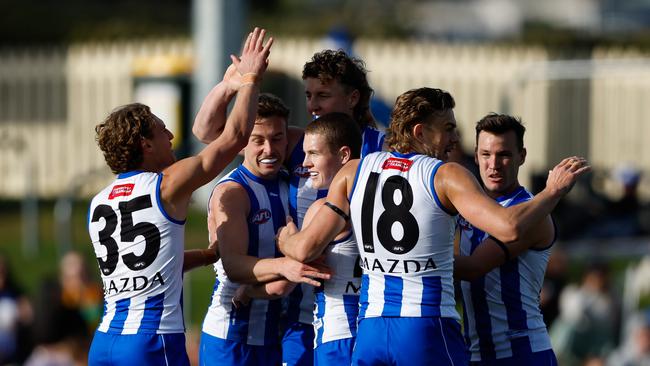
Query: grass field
30, 270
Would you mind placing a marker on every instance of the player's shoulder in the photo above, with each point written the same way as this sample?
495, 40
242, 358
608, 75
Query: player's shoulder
229, 191
449, 168
350, 168
318, 203
229, 187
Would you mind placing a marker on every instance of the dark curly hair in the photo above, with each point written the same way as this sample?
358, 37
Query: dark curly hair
413, 107
351, 72
499, 124
119, 136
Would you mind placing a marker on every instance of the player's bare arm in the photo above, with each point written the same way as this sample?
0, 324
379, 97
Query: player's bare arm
230, 207
211, 118
309, 253
460, 192
268, 291
193, 258
202, 257
185, 176
330, 222
489, 255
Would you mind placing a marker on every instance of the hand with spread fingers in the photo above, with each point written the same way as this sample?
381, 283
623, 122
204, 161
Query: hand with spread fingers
297, 272
254, 58
565, 174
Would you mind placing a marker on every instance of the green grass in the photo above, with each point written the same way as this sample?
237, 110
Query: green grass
29, 271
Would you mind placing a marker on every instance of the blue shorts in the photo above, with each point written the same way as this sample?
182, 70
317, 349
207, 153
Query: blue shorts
337, 352
409, 341
298, 345
137, 349
217, 351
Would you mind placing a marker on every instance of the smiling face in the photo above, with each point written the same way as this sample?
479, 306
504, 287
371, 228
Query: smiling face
320, 160
328, 97
265, 151
499, 159
440, 135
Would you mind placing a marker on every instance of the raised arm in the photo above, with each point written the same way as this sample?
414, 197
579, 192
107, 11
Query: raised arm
211, 118
314, 238
459, 191
490, 254
185, 176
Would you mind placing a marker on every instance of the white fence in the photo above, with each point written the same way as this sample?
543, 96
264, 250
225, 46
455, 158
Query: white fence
50, 101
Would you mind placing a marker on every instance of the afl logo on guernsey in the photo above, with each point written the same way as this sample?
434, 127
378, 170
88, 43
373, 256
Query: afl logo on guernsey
261, 216
121, 190
397, 164
301, 172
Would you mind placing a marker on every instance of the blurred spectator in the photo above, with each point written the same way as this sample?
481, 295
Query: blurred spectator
554, 282
60, 333
79, 291
15, 317
621, 217
576, 213
594, 361
626, 209
635, 348
585, 328
67, 311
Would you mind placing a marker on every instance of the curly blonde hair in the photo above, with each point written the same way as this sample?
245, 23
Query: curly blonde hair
413, 107
119, 136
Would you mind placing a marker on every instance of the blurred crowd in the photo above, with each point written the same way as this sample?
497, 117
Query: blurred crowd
55, 326
586, 320
588, 214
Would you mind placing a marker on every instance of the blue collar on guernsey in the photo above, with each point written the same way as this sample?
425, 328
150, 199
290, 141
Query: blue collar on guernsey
403, 156
129, 174
260, 180
511, 194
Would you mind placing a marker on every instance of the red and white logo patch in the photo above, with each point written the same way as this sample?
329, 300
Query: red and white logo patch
397, 164
121, 190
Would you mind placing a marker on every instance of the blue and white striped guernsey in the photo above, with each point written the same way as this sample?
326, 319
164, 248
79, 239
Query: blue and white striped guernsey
139, 249
405, 238
372, 140
502, 308
337, 301
301, 196
256, 324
